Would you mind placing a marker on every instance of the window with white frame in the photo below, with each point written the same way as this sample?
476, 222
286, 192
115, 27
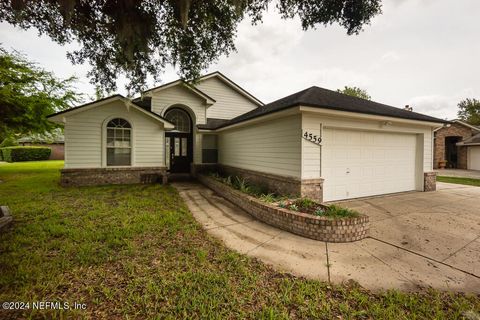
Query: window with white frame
180, 119
119, 142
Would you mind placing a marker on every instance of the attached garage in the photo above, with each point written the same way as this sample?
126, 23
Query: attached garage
366, 163
473, 158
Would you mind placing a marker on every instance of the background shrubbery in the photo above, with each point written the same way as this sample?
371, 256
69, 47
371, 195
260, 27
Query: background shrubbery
16, 154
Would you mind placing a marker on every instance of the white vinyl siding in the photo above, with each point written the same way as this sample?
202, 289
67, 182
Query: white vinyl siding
473, 160
182, 96
270, 147
229, 102
84, 137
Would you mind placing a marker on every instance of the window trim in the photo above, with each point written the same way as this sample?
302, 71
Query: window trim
105, 146
188, 118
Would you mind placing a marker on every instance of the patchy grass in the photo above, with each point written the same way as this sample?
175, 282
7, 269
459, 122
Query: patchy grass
136, 252
458, 180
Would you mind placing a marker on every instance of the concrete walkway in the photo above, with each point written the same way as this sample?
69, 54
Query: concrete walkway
402, 253
475, 174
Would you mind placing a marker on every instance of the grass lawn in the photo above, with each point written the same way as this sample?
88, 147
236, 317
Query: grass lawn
136, 252
467, 181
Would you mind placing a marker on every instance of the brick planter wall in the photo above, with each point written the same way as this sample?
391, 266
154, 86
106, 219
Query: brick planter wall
302, 224
102, 176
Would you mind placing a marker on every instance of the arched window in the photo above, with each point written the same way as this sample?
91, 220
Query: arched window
119, 142
180, 119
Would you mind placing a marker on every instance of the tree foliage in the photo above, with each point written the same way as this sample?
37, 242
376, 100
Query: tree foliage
28, 94
469, 111
139, 38
355, 92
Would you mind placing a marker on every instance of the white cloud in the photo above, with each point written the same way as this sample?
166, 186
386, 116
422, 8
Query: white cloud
438, 105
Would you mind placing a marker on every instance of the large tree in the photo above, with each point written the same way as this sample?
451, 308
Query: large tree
355, 92
469, 111
139, 38
28, 94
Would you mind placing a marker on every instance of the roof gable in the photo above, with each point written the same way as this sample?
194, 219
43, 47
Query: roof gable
460, 122
60, 117
208, 100
233, 85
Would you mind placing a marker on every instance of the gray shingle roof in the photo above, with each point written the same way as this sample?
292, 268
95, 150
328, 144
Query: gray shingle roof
326, 99
212, 123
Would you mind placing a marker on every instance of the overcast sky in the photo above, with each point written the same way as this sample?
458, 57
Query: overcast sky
425, 53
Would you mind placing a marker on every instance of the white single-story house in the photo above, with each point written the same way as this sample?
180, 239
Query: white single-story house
316, 142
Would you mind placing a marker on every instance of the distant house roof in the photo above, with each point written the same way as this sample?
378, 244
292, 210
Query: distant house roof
326, 99
212, 123
56, 136
472, 141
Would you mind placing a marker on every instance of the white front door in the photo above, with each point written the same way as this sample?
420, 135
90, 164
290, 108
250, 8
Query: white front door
474, 158
363, 163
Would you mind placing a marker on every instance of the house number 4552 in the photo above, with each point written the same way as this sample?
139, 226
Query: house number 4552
312, 138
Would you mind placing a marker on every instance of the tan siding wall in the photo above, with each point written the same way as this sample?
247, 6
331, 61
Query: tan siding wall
84, 137
229, 103
311, 160
179, 95
271, 147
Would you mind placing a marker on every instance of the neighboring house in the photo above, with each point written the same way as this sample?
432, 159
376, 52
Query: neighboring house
316, 142
473, 151
455, 144
54, 140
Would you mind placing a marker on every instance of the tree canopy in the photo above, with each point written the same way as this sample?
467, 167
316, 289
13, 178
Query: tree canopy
355, 92
139, 38
469, 111
28, 94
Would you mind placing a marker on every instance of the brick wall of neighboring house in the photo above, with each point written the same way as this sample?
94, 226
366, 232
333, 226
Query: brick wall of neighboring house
455, 130
58, 150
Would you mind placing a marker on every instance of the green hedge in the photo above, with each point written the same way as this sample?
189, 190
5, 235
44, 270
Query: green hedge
16, 154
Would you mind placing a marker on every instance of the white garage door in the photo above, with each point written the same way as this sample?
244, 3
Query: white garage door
474, 158
361, 163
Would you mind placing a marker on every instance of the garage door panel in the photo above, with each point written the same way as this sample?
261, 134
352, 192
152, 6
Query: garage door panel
359, 163
474, 158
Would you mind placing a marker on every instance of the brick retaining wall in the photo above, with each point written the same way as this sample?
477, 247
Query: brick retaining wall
102, 176
306, 225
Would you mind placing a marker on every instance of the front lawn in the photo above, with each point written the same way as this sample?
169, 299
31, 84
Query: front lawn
136, 252
458, 180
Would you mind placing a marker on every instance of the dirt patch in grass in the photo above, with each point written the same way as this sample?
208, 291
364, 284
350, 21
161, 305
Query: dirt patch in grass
146, 257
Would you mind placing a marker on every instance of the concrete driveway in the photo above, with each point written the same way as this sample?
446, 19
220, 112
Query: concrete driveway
417, 239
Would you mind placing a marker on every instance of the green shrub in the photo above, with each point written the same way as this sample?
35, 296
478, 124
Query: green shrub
339, 212
16, 154
305, 203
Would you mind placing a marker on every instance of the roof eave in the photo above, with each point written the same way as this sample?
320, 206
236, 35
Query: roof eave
325, 110
61, 117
